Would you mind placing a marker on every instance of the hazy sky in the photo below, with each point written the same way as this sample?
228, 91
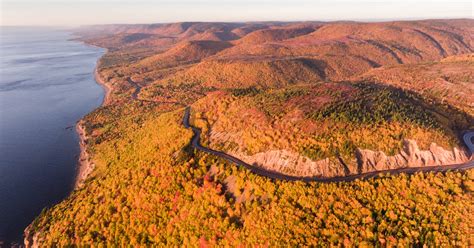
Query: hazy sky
81, 12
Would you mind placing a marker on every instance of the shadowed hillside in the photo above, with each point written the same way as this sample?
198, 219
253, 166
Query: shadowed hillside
449, 80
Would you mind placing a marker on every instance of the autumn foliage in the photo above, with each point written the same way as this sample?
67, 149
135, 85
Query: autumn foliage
320, 90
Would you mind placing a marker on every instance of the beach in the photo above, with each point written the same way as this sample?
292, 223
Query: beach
85, 164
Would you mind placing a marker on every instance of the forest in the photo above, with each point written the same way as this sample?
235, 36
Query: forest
159, 191
310, 97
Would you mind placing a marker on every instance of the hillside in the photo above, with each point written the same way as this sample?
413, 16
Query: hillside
326, 129
449, 80
243, 73
183, 53
274, 35
310, 99
149, 189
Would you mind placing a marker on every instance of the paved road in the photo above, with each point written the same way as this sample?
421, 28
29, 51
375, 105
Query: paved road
195, 142
137, 87
468, 139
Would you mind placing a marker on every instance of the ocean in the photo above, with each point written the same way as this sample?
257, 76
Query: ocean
46, 86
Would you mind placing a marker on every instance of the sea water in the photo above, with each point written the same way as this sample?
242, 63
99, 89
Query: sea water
46, 86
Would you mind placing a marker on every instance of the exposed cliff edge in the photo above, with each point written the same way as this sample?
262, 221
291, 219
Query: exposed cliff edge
410, 156
294, 164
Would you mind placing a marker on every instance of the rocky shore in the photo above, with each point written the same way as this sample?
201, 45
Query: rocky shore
85, 164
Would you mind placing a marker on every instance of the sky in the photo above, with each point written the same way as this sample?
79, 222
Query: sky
87, 12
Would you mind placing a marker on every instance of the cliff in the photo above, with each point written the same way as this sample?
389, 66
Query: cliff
294, 164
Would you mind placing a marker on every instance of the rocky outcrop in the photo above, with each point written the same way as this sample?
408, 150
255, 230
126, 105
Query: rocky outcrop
410, 156
294, 164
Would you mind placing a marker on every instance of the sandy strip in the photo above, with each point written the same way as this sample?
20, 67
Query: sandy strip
85, 164
107, 88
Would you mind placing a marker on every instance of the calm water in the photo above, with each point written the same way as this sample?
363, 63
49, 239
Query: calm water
46, 85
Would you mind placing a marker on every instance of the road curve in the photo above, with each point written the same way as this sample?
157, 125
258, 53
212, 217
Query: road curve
468, 138
137, 87
195, 142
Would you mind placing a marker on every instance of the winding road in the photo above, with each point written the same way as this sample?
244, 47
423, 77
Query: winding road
137, 87
195, 142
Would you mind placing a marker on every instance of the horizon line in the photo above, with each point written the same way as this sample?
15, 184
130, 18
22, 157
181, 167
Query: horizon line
362, 20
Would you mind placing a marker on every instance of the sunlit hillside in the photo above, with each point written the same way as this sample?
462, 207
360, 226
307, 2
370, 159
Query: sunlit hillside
307, 99
150, 188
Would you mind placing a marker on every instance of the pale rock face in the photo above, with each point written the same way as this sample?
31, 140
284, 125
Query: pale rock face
291, 163
294, 164
410, 156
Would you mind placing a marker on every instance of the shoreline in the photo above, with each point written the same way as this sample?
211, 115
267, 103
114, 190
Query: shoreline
85, 165
107, 88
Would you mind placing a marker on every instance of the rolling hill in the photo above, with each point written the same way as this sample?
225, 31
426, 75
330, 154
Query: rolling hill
313, 99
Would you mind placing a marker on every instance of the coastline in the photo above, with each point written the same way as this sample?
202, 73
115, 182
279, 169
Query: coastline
85, 164
158, 183
107, 88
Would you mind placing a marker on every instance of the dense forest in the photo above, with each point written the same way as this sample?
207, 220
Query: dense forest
325, 99
158, 190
